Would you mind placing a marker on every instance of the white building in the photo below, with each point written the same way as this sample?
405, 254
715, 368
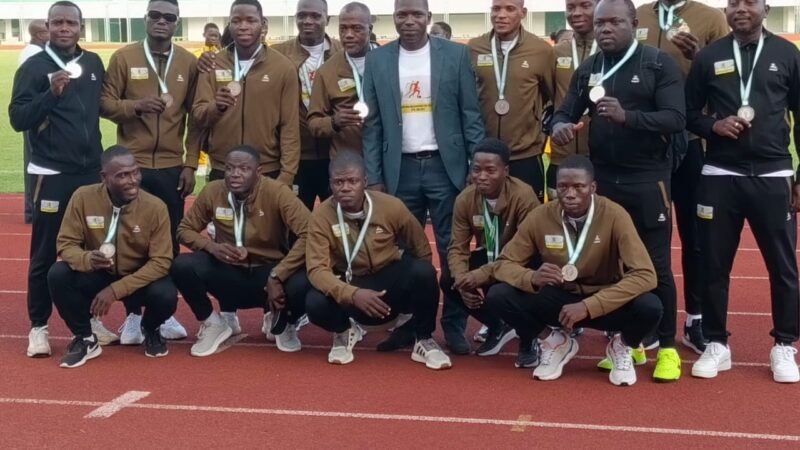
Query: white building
123, 20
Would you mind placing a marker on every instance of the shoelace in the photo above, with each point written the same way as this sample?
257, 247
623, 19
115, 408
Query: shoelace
546, 356
621, 356
290, 332
76, 342
202, 329
128, 326
786, 353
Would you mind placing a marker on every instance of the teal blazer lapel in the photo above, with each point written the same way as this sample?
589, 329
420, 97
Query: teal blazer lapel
393, 75
436, 68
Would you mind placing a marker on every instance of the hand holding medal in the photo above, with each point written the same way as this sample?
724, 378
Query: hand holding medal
165, 96
361, 106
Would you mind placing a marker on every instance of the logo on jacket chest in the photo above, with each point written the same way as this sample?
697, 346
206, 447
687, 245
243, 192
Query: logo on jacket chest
554, 241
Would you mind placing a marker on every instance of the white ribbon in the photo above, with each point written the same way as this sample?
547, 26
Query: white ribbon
238, 220
112, 227
574, 252
161, 81
744, 88
667, 16
501, 78
575, 60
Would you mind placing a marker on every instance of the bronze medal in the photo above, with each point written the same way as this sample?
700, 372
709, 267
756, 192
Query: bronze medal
569, 272
235, 88
502, 107
167, 99
747, 113
108, 250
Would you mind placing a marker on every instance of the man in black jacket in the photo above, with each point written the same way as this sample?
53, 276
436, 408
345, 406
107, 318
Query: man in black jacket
56, 99
739, 94
635, 97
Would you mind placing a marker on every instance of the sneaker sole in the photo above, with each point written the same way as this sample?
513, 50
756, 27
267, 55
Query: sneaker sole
341, 362
136, 341
688, 343
785, 379
157, 355
39, 354
527, 366
496, 349
726, 365
217, 342
107, 341
571, 354
90, 355
285, 349
622, 383
421, 359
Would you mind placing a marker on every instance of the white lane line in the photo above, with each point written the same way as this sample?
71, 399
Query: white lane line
420, 419
125, 400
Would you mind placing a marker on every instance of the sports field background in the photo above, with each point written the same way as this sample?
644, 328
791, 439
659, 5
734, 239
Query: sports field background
11, 141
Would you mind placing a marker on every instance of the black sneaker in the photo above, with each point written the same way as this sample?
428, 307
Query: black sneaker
693, 336
527, 356
154, 345
401, 337
651, 342
576, 332
495, 340
81, 350
457, 344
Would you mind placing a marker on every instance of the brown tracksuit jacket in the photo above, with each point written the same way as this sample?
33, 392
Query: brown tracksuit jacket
516, 200
271, 212
391, 222
143, 240
614, 266
156, 140
564, 68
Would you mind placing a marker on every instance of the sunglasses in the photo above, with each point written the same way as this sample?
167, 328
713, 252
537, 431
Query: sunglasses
156, 16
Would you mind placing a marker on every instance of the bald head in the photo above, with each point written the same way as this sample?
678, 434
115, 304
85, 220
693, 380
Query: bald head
37, 29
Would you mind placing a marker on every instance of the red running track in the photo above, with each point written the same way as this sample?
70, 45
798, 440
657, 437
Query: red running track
252, 395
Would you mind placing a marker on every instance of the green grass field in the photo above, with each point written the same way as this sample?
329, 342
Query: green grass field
11, 142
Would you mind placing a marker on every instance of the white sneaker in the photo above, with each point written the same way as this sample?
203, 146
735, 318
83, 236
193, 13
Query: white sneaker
288, 340
172, 329
716, 357
211, 335
427, 351
39, 342
265, 326
480, 335
104, 336
302, 321
232, 320
130, 333
783, 365
556, 351
622, 371
343, 343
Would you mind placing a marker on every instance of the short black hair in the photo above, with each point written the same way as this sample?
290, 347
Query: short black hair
174, 2
577, 162
494, 146
346, 159
628, 3
556, 35
427, 8
448, 30
66, 3
324, 2
357, 6
112, 153
209, 26
255, 3
249, 151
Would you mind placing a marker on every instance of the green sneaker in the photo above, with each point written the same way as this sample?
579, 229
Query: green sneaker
604, 365
639, 356
668, 366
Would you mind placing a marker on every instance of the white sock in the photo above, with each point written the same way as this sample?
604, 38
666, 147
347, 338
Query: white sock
690, 318
214, 319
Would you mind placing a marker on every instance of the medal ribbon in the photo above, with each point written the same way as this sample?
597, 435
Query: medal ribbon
350, 257
666, 17
305, 78
356, 77
58, 60
238, 221
149, 56
618, 65
744, 89
238, 72
575, 60
501, 77
112, 228
574, 252
490, 233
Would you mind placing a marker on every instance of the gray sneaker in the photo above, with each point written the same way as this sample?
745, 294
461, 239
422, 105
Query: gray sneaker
288, 340
210, 337
343, 343
428, 352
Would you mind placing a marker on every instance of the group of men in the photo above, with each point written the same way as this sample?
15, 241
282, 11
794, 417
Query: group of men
450, 133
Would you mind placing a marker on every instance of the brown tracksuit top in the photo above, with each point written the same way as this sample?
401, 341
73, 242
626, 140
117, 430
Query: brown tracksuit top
311, 147
516, 200
564, 68
613, 268
391, 222
271, 212
266, 115
143, 241
528, 89
156, 140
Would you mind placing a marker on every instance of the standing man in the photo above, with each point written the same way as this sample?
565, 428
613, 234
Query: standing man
114, 245
515, 82
441, 30
681, 28
308, 52
338, 86
739, 94
148, 92
424, 120
212, 36
634, 95
56, 98
37, 30
569, 56
230, 101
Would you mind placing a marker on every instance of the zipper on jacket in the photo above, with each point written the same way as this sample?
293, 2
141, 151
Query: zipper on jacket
243, 96
158, 116
366, 247
85, 129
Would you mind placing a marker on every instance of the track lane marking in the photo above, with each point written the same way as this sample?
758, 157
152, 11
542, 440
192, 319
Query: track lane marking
116, 405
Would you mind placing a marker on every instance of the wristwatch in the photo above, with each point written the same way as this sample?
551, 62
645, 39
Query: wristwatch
274, 275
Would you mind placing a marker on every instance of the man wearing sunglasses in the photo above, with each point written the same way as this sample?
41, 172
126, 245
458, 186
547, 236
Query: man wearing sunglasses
148, 92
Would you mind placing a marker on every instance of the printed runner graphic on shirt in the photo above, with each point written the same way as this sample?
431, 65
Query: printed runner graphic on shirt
416, 98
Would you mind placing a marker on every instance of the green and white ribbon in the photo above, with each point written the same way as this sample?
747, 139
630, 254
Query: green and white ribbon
744, 88
574, 251
491, 231
666, 15
238, 71
238, 220
501, 78
112, 227
618, 65
348, 256
575, 59
149, 56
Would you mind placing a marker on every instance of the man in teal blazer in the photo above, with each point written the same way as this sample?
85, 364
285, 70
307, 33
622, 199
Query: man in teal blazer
424, 119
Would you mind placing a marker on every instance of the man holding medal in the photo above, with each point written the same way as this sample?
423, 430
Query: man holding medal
253, 217
309, 51
230, 99
358, 271
595, 273
681, 28
114, 245
740, 93
337, 110
515, 82
635, 97
148, 92
490, 210
569, 56
56, 98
